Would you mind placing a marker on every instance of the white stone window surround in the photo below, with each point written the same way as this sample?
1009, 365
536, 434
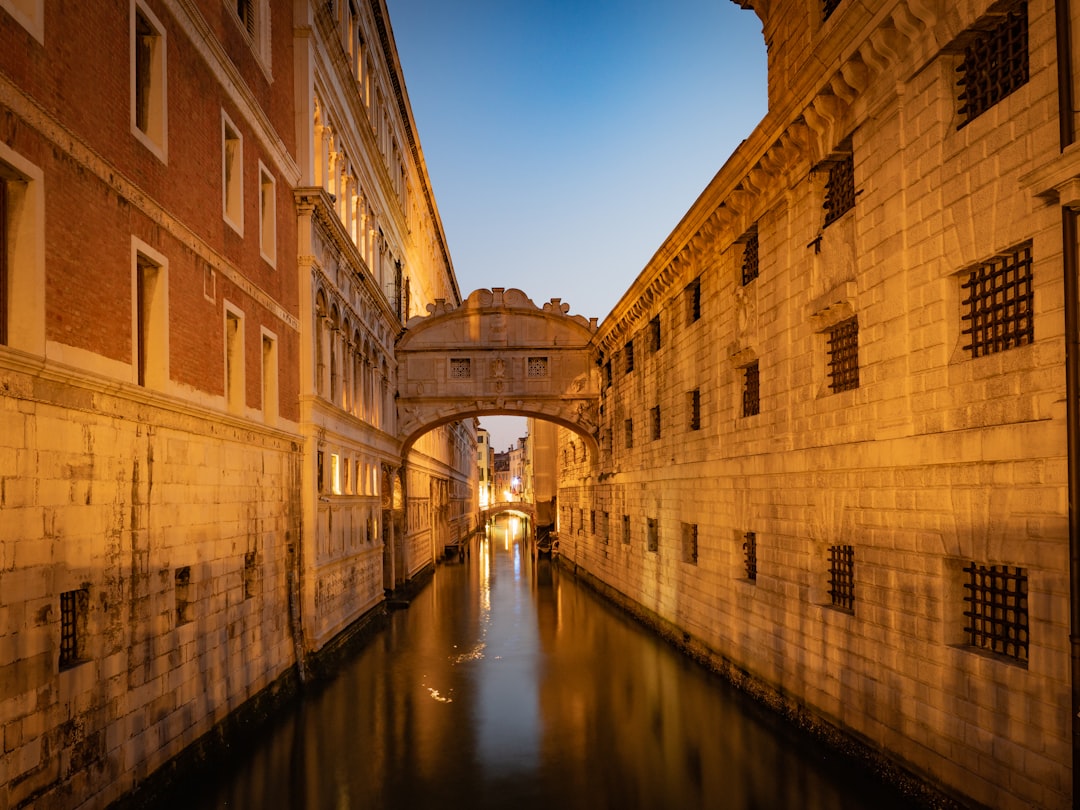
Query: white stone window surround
825, 312
233, 357
256, 31
270, 385
267, 215
232, 174
25, 241
155, 136
151, 333
30, 14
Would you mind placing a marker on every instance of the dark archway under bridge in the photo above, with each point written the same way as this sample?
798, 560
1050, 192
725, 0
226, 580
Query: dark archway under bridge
497, 354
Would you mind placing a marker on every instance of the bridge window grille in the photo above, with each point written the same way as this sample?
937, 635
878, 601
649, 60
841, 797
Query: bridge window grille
842, 577
629, 427
694, 404
840, 189
997, 613
182, 594
828, 7
460, 368
995, 64
844, 356
654, 414
653, 534
690, 543
751, 394
750, 259
750, 555
999, 301
626, 529
654, 334
693, 301
628, 355
73, 610
538, 367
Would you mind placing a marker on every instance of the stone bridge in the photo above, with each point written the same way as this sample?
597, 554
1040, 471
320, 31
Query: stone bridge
497, 353
527, 509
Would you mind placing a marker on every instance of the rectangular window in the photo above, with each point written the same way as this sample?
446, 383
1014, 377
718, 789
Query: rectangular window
693, 301
148, 107
151, 318
751, 393
234, 361
997, 610
653, 535
592, 521
626, 529
654, 334
269, 378
245, 11
267, 215
537, 367
998, 303
74, 606
842, 577
628, 355
689, 543
995, 64
460, 368
828, 7
844, 356
182, 594
654, 416
319, 470
750, 258
693, 400
607, 374
581, 520
750, 555
232, 170
629, 427
251, 574
840, 189
3, 262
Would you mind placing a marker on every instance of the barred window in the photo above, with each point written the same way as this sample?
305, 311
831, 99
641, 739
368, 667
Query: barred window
842, 577
653, 534
182, 594
689, 543
628, 356
74, 606
997, 612
998, 312
751, 394
750, 555
840, 189
629, 428
750, 258
654, 415
693, 301
995, 64
460, 368
251, 574
592, 521
537, 367
828, 7
694, 404
654, 334
626, 529
844, 355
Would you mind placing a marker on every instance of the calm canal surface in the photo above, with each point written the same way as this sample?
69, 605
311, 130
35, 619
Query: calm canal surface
507, 684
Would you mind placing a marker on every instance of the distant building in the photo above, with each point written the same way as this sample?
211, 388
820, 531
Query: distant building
485, 466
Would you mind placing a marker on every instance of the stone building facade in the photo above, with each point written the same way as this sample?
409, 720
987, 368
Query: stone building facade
833, 433
201, 486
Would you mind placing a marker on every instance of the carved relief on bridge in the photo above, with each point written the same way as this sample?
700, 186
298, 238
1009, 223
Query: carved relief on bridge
497, 353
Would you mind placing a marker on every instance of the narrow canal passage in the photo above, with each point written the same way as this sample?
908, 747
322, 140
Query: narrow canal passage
507, 684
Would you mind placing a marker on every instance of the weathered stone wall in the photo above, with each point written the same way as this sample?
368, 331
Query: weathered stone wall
936, 459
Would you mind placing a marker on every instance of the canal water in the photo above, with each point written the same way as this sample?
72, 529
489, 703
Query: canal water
507, 684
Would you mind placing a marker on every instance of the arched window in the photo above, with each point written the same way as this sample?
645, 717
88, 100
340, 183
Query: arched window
321, 343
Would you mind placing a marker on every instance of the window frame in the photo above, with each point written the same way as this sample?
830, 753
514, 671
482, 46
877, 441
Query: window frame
155, 136
232, 174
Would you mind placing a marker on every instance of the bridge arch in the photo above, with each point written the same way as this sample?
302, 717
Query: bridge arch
497, 354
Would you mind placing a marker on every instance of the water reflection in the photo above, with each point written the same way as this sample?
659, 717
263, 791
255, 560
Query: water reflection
505, 684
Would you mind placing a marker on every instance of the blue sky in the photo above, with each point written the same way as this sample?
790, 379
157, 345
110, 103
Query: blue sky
565, 139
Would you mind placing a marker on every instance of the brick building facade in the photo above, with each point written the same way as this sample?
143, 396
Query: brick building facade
833, 444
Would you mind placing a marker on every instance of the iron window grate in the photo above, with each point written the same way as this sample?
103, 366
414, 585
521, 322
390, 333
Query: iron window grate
828, 7
750, 259
844, 355
751, 397
840, 189
69, 634
460, 368
693, 301
628, 356
694, 401
997, 614
842, 577
537, 367
999, 313
994, 65
654, 334
750, 555
654, 413
690, 543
